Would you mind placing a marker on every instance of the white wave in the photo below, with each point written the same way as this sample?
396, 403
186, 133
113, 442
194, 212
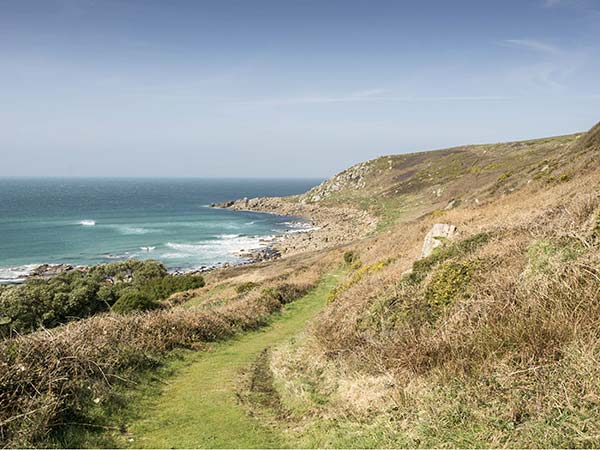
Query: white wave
298, 225
87, 223
147, 249
15, 275
227, 246
128, 229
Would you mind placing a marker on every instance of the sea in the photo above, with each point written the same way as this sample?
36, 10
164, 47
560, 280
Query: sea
85, 221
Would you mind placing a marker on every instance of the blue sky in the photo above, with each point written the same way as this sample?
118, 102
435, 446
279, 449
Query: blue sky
283, 87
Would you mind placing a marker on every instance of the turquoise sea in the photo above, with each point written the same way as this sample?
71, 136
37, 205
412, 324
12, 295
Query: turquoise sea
90, 221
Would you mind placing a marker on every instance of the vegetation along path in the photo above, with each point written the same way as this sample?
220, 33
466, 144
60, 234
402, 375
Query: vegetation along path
199, 407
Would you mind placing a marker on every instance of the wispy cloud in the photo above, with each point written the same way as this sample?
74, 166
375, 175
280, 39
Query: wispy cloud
533, 45
551, 69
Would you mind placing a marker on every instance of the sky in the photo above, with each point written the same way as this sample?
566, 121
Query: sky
283, 88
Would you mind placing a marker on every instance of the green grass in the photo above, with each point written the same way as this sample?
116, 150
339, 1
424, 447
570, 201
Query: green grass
199, 408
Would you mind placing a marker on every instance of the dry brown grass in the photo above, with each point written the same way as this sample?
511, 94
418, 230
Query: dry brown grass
512, 359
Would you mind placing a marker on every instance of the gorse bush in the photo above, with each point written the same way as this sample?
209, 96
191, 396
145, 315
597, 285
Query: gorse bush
447, 283
422, 267
350, 257
74, 295
133, 300
356, 277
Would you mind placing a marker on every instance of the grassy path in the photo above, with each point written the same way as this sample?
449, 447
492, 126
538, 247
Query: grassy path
198, 408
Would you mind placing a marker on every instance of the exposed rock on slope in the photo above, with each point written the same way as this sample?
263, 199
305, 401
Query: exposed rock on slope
350, 179
439, 233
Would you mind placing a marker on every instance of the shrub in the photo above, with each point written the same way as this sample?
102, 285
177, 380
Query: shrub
447, 283
423, 266
543, 254
350, 257
74, 295
505, 176
150, 270
243, 288
286, 292
160, 288
357, 276
132, 301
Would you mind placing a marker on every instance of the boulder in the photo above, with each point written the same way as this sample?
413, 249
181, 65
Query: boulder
50, 270
436, 236
225, 204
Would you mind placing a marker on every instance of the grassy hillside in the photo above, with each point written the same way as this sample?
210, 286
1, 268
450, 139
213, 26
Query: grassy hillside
493, 340
404, 187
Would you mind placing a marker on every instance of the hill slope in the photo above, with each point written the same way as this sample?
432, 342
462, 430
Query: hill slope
418, 182
398, 188
492, 340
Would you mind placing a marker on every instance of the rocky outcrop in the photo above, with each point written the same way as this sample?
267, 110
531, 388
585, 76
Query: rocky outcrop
350, 179
261, 254
436, 237
225, 204
51, 270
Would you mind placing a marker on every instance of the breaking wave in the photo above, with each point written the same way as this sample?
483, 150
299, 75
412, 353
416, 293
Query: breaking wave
126, 229
226, 246
15, 275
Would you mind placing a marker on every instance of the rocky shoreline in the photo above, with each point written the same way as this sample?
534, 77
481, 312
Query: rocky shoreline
329, 226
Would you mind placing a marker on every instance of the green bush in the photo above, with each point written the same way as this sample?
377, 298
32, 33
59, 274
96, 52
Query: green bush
78, 294
151, 270
350, 257
132, 301
542, 254
160, 288
423, 266
447, 284
505, 176
285, 292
